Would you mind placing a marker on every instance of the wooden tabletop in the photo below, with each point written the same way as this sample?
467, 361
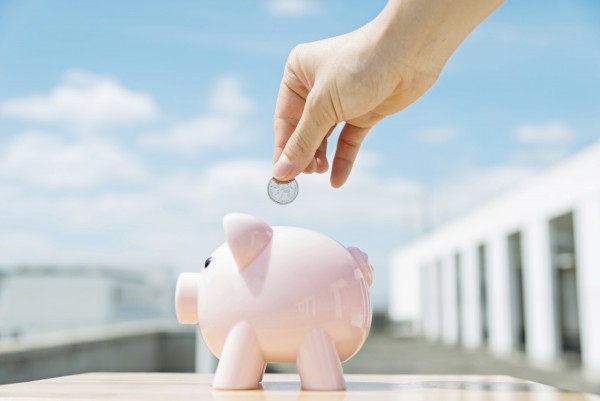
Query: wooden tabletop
196, 387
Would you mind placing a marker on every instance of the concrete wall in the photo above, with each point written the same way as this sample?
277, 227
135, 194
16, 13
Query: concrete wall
45, 302
571, 187
146, 347
35, 299
587, 246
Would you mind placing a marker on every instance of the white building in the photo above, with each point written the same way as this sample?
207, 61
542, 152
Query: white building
38, 299
520, 274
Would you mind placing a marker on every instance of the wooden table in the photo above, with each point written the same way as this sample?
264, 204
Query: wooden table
196, 387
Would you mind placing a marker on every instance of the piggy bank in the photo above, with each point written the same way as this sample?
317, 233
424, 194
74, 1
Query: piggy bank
278, 294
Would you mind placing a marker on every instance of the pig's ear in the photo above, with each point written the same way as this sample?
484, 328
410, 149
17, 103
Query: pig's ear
246, 236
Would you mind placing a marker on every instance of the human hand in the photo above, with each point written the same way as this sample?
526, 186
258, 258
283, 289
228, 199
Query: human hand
361, 77
349, 78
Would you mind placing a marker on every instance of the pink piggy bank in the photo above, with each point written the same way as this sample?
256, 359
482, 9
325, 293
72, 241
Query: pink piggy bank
278, 294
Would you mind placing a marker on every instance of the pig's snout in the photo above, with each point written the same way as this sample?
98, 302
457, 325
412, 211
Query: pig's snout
363, 263
186, 298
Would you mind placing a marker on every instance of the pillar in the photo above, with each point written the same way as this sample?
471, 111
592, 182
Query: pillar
471, 305
542, 333
587, 249
449, 301
433, 302
500, 323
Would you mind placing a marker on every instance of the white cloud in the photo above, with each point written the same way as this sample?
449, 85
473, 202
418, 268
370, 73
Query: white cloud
472, 189
240, 185
108, 209
542, 144
292, 7
225, 124
178, 218
43, 160
37, 249
202, 132
541, 156
438, 135
15, 245
228, 97
84, 101
551, 132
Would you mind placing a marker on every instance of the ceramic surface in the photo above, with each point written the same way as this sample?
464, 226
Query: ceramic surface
278, 294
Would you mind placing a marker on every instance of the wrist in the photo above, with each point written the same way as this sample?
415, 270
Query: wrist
423, 34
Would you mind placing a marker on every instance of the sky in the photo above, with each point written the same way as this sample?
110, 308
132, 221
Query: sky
128, 129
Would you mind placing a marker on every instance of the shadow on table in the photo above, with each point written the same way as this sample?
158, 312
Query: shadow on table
390, 391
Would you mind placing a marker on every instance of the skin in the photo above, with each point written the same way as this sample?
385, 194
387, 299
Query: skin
361, 77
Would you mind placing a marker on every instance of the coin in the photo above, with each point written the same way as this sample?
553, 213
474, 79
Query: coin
282, 192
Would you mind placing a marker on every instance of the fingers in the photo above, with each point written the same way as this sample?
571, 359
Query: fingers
302, 145
287, 114
322, 165
301, 141
311, 168
348, 146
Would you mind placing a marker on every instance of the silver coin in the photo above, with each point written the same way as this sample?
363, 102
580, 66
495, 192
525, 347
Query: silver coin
282, 192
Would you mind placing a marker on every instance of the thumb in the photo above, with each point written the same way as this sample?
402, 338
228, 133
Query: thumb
300, 149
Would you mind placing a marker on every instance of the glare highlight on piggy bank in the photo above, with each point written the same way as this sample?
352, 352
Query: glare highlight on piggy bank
278, 294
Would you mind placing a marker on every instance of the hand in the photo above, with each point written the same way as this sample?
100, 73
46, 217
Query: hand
347, 78
361, 77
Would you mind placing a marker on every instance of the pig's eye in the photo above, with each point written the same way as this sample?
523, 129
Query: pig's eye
207, 262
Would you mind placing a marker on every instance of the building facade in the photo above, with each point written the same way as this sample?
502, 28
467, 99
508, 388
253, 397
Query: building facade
42, 299
520, 274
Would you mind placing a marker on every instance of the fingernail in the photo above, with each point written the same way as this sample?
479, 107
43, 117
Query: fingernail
283, 167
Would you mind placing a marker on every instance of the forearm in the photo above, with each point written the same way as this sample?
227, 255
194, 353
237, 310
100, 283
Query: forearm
425, 33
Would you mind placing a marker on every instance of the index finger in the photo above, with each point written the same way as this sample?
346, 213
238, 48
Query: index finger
288, 111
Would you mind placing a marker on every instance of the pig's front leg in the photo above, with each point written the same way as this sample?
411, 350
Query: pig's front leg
241, 365
318, 363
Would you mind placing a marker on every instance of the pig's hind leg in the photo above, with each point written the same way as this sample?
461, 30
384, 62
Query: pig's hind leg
318, 363
241, 364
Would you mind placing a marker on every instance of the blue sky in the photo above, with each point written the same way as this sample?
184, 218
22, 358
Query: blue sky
128, 129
